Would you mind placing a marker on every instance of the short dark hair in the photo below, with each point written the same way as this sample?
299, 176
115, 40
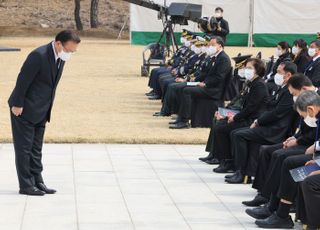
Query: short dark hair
305, 99
68, 35
258, 65
316, 42
219, 8
219, 40
284, 45
289, 66
299, 80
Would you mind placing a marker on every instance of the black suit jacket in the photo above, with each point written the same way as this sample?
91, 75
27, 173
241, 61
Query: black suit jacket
216, 78
275, 124
255, 101
313, 72
36, 85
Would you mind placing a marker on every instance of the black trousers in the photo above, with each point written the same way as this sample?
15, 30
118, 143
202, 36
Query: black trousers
28, 141
311, 196
219, 142
241, 140
264, 159
288, 187
170, 100
185, 100
274, 173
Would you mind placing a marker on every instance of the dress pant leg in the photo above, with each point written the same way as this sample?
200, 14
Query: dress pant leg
222, 142
264, 159
311, 195
288, 187
272, 181
241, 139
23, 135
36, 166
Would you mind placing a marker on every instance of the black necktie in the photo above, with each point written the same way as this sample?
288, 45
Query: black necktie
58, 62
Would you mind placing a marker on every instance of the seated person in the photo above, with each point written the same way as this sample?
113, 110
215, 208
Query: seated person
271, 156
313, 68
276, 213
211, 87
254, 98
270, 128
300, 52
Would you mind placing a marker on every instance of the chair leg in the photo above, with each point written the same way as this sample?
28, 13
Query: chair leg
245, 180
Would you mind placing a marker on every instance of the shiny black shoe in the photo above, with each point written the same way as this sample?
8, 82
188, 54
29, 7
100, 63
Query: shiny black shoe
229, 176
209, 157
259, 212
274, 221
33, 191
237, 178
174, 122
161, 114
257, 201
44, 188
213, 161
151, 93
154, 97
224, 167
180, 125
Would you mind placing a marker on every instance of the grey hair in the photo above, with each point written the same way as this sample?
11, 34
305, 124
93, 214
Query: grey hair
305, 99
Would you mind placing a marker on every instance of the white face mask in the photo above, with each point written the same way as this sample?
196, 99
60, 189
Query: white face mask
311, 121
211, 50
295, 98
278, 79
193, 47
182, 40
295, 50
187, 43
203, 49
311, 52
64, 56
197, 50
249, 74
241, 73
278, 52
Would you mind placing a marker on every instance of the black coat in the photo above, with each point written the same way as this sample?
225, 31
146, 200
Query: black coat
301, 61
216, 78
275, 124
255, 101
306, 135
36, 85
224, 29
313, 72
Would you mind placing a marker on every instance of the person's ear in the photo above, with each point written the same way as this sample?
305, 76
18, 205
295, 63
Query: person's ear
311, 111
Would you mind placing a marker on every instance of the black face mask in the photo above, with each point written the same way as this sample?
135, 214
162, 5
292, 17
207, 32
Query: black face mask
219, 18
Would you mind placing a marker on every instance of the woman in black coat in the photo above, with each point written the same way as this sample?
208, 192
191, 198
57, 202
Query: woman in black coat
300, 54
254, 99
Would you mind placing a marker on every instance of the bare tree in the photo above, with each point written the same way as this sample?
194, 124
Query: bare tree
94, 13
77, 15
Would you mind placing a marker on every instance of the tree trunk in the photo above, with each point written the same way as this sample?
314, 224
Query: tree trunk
77, 15
94, 14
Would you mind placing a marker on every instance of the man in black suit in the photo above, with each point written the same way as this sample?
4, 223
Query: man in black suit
211, 86
222, 29
270, 128
313, 68
30, 108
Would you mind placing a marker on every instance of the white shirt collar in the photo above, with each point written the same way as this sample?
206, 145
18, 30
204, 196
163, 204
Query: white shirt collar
316, 57
54, 51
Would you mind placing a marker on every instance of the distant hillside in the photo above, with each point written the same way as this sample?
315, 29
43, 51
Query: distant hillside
32, 17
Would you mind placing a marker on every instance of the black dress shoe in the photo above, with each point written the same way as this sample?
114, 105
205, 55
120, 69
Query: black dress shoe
151, 93
229, 176
180, 125
154, 97
224, 167
33, 191
44, 188
275, 221
259, 212
161, 114
209, 157
257, 201
237, 178
213, 161
174, 122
